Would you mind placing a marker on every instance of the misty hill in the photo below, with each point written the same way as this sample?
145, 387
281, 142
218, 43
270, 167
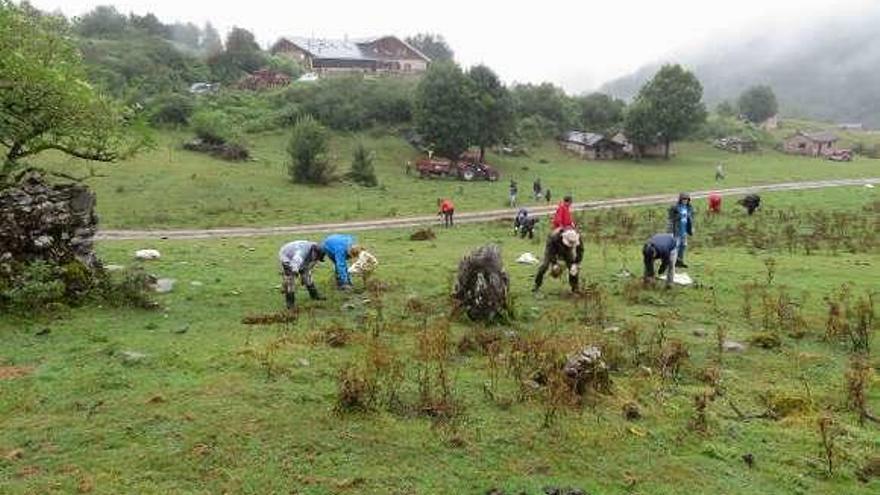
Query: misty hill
827, 71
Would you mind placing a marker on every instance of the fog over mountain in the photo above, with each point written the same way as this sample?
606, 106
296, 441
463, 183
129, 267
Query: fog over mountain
827, 70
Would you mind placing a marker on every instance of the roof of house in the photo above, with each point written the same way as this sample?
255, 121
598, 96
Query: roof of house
347, 49
584, 138
819, 137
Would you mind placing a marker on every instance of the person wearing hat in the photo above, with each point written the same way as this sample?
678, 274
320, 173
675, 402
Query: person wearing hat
562, 245
298, 258
661, 247
523, 224
681, 225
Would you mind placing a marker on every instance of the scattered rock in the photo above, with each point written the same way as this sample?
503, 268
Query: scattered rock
587, 369
733, 346
423, 235
14, 455
871, 469
182, 329
624, 273
699, 332
527, 259
631, 411
682, 279
611, 329
303, 362
156, 399
552, 490
164, 285
114, 268
43, 332
766, 340
132, 357
869, 186
147, 254
196, 283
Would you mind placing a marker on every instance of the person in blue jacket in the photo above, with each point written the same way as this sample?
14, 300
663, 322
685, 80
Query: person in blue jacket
681, 225
663, 247
340, 248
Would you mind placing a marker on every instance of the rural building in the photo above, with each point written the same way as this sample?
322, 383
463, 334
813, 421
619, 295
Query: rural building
771, 124
810, 144
736, 144
656, 150
263, 79
591, 146
381, 55
855, 126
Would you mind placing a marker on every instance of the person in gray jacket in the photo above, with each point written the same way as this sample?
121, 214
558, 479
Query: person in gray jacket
298, 258
663, 247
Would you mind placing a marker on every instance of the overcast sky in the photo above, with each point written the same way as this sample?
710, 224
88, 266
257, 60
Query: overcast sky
576, 44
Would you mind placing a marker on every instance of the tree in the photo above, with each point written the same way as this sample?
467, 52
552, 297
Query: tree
600, 112
674, 97
641, 126
102, 22
46, 103
187, 34
432, 45
445, 109
149, 24
211, 43
544, 100
362, 170
758, 103
241, 41
725, 109
307, 149
494, 113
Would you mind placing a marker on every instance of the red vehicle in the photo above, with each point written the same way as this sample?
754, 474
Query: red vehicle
467, 168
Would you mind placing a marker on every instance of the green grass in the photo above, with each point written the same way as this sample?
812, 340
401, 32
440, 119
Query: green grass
85, 420
169, 187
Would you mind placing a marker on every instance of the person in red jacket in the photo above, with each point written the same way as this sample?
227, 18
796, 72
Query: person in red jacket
562, 218
447, 209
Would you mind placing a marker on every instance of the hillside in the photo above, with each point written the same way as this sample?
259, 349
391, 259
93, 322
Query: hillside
815, 72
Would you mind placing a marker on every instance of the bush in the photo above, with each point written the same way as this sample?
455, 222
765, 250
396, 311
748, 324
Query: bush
171, 108
308, 153
362, 170
213, 127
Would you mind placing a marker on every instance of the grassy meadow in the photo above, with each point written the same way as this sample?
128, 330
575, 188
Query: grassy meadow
211, 405
170, 187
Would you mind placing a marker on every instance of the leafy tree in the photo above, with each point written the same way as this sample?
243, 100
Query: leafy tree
46, 103
307, 149
241, 41
211, 43
187, 35
103, 21
641, 125
284, 65
544, 100
725, 109
445, 109
600, 112
149, 24
172, 108
362, 170
432, 45
494, 112
214, 127
673, 102
758, 103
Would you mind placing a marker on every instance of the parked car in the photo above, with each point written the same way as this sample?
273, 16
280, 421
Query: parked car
201, 88
465, 169
308, 77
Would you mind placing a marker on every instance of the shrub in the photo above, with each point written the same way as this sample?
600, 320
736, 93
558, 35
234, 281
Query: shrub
213, 127
307, 149
362, 170
481, 289
171, 108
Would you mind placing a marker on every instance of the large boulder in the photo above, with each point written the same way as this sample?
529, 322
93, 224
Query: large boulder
481, 288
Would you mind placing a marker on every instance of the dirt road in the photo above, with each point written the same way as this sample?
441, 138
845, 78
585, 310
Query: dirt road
471, 217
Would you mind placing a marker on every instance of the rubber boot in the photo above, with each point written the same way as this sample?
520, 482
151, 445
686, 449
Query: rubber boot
290, 299
313, 293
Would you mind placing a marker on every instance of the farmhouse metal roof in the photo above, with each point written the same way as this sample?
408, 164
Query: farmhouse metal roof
820, 137
347, 49
584, 138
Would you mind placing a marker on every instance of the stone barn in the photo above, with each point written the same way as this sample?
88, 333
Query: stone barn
656, 150
591, 146
379, 55
810, 144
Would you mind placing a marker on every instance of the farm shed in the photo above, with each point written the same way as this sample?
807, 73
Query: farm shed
591, 146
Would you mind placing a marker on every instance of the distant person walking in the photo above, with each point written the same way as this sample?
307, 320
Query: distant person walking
562, 218
447, 210
547, 195
719, 172
513, 190
536, 189
681, 225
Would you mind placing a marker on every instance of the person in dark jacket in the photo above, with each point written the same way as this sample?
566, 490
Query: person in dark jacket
562, 245
661, 247
751, 203
298, 259
513, 191
681, 225
537, 189
523, 224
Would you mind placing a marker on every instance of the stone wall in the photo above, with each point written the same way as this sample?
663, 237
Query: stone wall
50, 222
